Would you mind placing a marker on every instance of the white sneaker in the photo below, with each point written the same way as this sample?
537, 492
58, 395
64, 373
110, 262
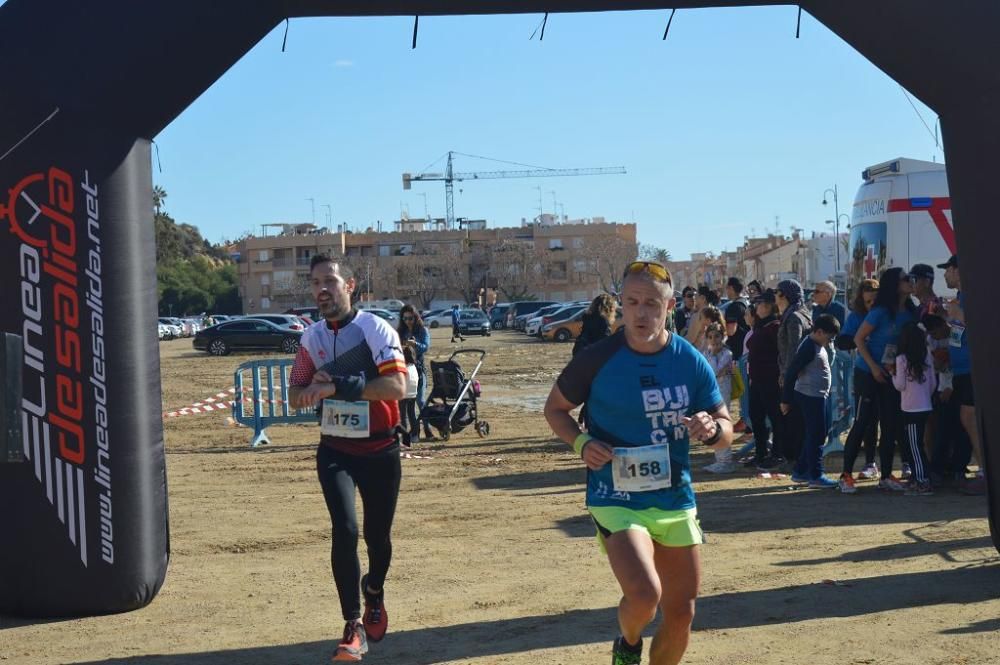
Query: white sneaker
721, 467
870, 472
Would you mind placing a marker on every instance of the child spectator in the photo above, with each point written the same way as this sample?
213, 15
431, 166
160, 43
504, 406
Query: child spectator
915, 380
807, 383
720, 358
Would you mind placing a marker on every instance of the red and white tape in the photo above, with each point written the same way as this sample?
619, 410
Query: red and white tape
217, 402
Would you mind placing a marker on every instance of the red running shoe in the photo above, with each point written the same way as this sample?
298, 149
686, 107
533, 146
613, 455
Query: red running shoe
354, 645
375, 619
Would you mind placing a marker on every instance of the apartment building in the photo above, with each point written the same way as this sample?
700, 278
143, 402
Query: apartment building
425, 265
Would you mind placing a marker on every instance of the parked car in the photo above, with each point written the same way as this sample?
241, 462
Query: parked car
163, 331
534, 319
569, 329
442, 318
498, 315
173, 326
308, 314
473, 322
522, 307
286, 321
191, 326
559, 315
391, 317
246, 334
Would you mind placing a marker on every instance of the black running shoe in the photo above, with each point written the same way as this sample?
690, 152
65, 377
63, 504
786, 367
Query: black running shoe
623, 654
773, 463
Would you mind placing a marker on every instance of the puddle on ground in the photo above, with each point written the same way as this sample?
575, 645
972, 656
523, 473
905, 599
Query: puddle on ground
525, 398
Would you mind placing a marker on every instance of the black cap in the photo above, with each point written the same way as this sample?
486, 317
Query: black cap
767, 296
922, 271
950, 263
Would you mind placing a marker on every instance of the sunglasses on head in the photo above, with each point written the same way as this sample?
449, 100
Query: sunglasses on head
655, 270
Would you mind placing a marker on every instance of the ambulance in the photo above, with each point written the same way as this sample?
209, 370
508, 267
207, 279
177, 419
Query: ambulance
901, 216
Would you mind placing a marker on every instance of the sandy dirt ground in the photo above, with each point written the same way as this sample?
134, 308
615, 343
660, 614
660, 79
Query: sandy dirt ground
495, 560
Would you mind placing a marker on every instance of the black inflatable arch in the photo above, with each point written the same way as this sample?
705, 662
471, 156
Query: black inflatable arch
83, 522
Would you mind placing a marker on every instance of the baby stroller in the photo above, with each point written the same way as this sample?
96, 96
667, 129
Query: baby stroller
451, 406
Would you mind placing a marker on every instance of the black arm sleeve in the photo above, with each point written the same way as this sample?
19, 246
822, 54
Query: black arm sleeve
576, 378
845, 342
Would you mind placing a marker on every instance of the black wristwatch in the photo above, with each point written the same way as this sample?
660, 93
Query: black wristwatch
717, 435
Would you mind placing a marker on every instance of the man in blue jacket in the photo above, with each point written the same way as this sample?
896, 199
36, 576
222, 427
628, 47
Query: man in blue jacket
455, 330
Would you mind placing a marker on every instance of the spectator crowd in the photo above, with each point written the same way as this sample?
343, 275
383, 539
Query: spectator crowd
890, 373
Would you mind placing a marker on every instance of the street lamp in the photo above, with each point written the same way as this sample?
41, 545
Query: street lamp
836, 219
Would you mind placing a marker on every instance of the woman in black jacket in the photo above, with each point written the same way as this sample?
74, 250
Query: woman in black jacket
597, 322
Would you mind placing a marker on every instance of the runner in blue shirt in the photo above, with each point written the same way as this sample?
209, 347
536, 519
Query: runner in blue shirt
876, 341
648, 393
961, 368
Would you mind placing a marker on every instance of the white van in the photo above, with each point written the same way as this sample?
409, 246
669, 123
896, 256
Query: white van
902, 216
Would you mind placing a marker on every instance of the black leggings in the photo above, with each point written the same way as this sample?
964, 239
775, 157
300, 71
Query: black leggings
377, 478
764, 407
866, 420
408, 416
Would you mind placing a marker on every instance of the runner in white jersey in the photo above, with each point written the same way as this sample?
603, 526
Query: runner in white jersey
350, 365
648, 393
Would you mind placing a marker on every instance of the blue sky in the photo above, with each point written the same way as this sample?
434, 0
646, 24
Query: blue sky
727, 125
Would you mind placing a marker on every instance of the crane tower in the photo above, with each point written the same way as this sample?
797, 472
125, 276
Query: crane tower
449, 177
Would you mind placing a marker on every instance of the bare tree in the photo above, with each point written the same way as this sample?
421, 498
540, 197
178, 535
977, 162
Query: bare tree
296, 290
421, 280
608, 259
518, 271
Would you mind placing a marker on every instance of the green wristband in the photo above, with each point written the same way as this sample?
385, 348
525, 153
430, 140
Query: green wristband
580, 441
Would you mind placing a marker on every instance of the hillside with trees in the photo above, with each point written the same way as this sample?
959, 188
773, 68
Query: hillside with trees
193, 276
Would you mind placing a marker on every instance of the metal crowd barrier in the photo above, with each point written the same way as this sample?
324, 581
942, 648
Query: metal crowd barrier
261, 398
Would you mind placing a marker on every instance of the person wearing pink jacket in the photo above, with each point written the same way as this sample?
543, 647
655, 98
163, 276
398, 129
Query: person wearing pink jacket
916, 382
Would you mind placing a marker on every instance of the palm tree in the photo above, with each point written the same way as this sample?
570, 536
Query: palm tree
159, 194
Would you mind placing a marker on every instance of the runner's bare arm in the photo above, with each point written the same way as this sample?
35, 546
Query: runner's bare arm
557, 412
303, 397
385, 387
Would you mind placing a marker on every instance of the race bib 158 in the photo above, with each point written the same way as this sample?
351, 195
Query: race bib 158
641, 469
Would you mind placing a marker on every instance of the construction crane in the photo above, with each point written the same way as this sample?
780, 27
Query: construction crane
449, 177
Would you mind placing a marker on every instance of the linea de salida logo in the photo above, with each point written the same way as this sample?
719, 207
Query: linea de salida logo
65, 397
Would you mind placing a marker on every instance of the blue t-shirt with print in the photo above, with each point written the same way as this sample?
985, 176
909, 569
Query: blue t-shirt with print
636, 399
886, 331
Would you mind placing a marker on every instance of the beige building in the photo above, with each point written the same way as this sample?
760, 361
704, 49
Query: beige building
439, 267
